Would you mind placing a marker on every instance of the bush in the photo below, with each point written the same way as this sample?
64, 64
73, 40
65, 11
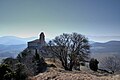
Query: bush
93, 64
5, 72
21, 73
41, 66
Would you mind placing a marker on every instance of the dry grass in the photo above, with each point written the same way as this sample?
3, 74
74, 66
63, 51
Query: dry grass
60, 74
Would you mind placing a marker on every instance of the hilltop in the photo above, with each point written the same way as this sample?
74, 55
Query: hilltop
85, 74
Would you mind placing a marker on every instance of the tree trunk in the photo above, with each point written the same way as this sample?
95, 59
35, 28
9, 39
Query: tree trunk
63, 63
71, 65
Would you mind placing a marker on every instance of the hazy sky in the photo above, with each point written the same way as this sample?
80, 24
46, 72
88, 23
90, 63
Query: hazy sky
27, 18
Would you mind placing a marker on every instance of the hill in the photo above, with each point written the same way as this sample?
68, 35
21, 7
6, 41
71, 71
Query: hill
13, 40
60, 74
108, 47
11, 46
11, 50
85, 73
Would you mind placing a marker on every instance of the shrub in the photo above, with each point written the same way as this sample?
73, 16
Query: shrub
93, 64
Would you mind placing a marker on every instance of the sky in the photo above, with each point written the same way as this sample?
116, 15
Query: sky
28, 18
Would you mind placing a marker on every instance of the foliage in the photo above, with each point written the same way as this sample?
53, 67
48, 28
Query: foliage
26, 64
93, 64
6, 73
12, 69
70, 48
33, 61
39, 63
21, 73
10, 62
26, 58
23, 54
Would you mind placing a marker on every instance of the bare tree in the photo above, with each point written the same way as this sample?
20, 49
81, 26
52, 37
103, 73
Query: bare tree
69, 49
111, 63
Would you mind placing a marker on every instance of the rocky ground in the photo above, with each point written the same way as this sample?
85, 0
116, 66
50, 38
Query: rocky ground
85, 74
56, 74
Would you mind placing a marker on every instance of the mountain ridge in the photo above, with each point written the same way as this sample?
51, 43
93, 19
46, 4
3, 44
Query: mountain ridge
13, 40
7, 50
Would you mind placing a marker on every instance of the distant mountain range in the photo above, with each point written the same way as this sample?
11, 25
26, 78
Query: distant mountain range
104, 38
10, 46
11, 50
13, 40
108, 47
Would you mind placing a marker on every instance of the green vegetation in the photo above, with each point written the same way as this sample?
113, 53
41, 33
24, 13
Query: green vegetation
6, 73
21, 72
26, 64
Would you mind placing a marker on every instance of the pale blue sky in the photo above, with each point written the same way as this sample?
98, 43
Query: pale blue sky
27, 18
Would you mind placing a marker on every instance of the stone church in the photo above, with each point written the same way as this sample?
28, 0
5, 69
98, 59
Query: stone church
38, 43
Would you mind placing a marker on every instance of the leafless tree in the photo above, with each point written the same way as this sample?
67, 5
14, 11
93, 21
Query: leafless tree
69, 49
111, 63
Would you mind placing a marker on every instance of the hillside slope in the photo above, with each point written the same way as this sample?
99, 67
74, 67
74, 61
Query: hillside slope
59, 73
56, 74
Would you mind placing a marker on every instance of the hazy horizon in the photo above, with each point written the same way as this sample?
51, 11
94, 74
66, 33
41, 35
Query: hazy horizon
101, 39
27, 18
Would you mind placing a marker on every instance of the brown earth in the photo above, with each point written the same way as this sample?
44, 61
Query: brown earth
85, 74
56, 74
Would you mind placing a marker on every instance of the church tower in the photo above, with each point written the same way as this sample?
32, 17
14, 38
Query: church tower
38, 43
42, 39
